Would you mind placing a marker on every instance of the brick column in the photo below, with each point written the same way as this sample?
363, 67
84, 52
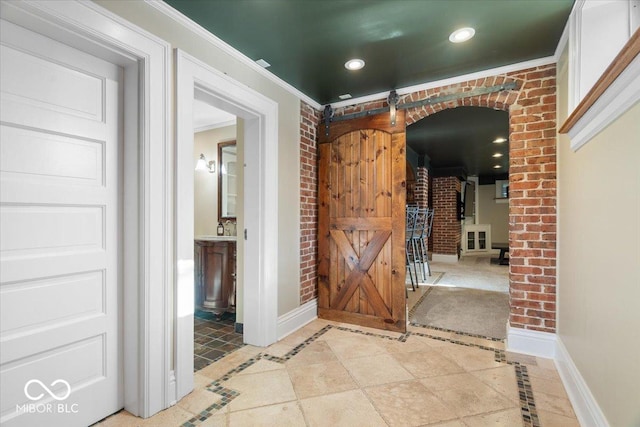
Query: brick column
532, 202
446, 231
422, 187
309, 118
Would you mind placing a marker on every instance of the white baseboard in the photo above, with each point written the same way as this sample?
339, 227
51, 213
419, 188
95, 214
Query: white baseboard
535, 343
584, 404
297, 318
444, 258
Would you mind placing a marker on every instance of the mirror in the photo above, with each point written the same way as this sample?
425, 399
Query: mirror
227, 185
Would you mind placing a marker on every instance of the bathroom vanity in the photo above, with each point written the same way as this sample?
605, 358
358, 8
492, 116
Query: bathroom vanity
215, 273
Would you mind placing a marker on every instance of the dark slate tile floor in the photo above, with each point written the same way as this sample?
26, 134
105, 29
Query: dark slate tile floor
213, 338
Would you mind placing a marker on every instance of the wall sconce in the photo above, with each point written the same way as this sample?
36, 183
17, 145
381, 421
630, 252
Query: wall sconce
204, 165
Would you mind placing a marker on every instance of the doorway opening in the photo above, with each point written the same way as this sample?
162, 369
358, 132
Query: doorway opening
217, 198
460, 158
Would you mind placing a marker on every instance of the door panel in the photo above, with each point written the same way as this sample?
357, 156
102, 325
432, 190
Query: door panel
361, 263
60, 219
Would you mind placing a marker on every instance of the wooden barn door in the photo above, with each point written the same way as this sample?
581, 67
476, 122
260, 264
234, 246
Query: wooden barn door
361, 260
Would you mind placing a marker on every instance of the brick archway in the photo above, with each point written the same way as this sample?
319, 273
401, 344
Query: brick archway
532, 177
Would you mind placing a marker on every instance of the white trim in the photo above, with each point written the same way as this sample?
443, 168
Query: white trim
584, 403
444, 258
211, 38
195, 79
91, 28
171, 389
297, 318
535, 343
619, 97
450, 81
215, 126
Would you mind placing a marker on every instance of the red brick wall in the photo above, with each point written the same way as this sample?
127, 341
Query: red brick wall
309, 118
422, 187
446, 230
532, 176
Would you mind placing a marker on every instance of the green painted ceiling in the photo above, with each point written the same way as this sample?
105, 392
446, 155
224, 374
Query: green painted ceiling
463, 137
404, 42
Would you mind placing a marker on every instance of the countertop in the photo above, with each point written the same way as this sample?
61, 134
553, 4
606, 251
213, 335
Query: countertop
217, 238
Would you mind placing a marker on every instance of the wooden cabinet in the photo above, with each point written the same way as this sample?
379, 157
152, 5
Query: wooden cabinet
215, 275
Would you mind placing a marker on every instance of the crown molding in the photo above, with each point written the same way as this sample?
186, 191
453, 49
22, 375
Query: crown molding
450, 81
181, 19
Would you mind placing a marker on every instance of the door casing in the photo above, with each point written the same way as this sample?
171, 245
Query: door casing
195, 79
147, 161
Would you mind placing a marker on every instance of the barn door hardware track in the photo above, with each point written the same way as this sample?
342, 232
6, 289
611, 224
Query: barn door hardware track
328, 116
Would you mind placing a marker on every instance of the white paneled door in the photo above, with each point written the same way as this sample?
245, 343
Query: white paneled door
60, 329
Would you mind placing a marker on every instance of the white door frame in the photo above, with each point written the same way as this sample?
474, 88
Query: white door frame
260, 116
147, 163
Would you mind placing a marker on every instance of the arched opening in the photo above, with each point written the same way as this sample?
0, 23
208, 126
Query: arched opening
462, 154
532, 185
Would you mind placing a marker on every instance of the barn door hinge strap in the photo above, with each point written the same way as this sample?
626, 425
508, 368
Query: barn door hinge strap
423, 102
328, 115
392, 100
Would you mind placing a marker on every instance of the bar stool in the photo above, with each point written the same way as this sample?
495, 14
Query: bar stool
410, 253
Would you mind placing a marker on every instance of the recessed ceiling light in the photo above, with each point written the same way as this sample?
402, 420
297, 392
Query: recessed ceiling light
263, 63
497, 155
462, 35
497, 166
499, 140
345, 96
354, 64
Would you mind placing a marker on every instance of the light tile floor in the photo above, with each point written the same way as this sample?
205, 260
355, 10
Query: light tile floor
331, 374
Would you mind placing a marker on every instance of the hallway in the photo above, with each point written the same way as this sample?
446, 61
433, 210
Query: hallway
331, 374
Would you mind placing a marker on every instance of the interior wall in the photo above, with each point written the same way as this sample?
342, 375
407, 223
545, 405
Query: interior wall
599, 260
149, 18
205, 186
490, 212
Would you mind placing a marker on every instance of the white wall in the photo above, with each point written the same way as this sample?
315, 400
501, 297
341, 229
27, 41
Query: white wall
206, 183
599, 260
488, 211
152, 20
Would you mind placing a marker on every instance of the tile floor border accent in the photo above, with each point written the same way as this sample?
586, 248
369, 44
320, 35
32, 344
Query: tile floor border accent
527, 403
466, 334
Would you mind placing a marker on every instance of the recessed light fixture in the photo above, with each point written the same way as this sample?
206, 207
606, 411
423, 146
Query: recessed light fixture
462, 35
496, 155
263, 63
354, 64
345, 96
499, 140
497, 166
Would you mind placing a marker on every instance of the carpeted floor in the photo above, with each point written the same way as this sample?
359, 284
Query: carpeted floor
471, 311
